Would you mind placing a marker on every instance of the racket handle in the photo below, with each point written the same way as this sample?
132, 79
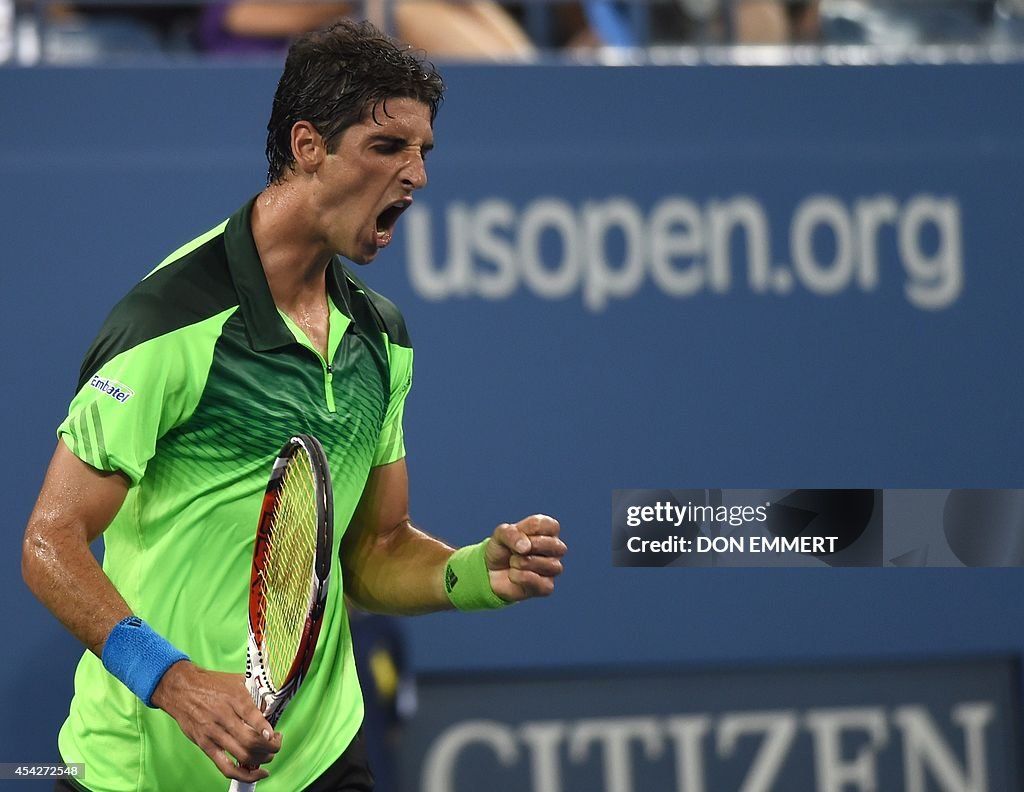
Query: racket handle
241, 786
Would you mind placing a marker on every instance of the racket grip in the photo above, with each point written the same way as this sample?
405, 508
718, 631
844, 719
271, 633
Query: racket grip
241, 786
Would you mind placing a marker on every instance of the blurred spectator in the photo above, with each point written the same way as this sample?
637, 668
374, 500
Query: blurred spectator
571, 28
84, 31
456, 29
555, 24
172, 23
896, 24
775, 21
477, 29
499, 30
883, 23
627, 23
1008, 21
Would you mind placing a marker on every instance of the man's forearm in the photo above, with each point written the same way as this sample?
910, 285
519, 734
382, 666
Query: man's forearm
65, 576
400, 572
75, 506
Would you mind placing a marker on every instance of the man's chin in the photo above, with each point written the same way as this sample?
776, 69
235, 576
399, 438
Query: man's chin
362, 258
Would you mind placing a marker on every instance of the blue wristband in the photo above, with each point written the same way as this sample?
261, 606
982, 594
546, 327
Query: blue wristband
139, 656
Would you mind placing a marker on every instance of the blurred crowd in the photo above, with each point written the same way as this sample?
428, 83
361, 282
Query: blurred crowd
492, 30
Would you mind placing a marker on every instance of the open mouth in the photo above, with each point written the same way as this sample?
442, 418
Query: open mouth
386, 220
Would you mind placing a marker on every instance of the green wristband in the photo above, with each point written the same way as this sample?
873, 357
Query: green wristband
466, 580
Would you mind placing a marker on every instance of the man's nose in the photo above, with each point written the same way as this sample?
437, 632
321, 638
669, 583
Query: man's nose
414, 174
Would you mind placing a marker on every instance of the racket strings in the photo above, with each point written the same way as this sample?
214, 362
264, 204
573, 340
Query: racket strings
288, 573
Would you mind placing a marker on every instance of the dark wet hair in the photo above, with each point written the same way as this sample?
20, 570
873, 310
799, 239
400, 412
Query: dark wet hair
333, 77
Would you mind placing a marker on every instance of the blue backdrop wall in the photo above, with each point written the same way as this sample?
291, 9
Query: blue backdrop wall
631, 277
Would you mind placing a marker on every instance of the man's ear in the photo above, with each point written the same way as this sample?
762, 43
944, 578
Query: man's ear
308, 147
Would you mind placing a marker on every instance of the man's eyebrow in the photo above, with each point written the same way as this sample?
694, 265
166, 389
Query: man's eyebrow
383, 137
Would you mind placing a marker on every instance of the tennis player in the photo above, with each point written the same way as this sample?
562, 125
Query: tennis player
250, 333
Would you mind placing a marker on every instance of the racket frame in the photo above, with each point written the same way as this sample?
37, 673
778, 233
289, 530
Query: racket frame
270, 699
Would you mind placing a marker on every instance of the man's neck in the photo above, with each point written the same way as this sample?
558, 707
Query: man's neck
294, 262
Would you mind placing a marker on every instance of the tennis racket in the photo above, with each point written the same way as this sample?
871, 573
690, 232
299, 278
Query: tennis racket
291, 564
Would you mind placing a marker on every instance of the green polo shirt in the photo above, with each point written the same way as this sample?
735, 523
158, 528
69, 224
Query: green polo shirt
191, 388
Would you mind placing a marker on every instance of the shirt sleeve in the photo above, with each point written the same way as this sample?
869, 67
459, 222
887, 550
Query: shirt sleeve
124, 407
391, 445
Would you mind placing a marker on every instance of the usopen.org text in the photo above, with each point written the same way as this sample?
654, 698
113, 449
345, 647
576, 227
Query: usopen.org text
607, 249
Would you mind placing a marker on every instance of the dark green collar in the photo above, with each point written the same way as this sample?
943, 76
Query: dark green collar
266, 328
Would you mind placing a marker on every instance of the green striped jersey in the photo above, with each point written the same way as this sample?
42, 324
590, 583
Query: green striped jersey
192, 386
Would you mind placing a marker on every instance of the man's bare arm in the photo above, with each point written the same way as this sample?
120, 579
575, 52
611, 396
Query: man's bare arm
393, 567
390, 565
75, 505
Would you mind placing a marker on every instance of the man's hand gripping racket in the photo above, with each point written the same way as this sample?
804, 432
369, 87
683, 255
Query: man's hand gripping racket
291, 564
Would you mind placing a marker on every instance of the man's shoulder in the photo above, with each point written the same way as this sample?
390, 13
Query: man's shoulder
188, 287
